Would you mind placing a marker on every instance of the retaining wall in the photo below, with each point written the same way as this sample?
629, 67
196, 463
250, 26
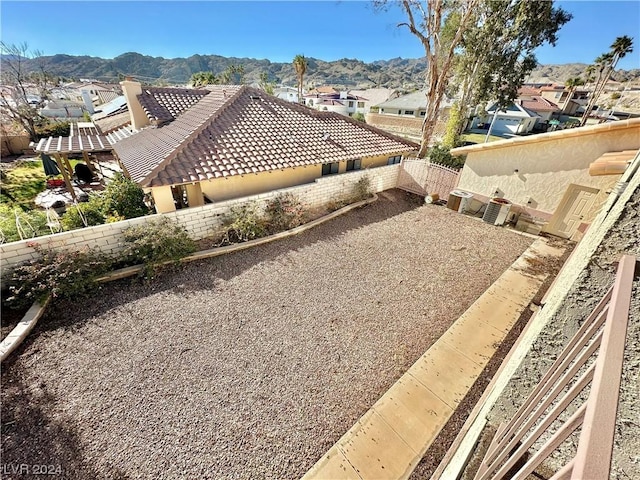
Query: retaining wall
199, 222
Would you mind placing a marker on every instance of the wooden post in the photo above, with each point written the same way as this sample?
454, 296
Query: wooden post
88, 161
65, 173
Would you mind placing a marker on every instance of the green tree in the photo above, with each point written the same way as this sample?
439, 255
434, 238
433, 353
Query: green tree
439, 26
265, 84
498, 47
300, 65
233, 75
605, 65
572, 84
200, 79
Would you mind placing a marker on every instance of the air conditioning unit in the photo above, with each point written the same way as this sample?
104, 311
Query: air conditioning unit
497, 211
459, 200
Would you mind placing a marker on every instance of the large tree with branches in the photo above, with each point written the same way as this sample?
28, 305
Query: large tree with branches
16, 103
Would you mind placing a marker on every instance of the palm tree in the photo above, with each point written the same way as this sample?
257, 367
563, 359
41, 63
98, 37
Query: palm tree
572, 84
605, 65
300, 66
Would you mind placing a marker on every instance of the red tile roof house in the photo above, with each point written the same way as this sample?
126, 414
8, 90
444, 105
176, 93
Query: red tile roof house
224, 142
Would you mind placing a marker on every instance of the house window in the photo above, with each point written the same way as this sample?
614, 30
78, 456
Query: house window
408, 112
394, 160
360, 104
354, 165
423, 113
350, 104
330, 168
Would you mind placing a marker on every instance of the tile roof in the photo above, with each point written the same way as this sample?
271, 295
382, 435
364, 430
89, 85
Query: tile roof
113, 122
163, 105
539, 104
243, 130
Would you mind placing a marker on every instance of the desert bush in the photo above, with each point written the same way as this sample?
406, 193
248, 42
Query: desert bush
615, 95
16, 224
362, 189
242, 224
63, 274
441, 155
91, 212
284, 212
156, 242
123, 198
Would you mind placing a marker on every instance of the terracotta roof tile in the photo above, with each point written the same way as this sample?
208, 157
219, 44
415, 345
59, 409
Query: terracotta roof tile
237, 130
164, 105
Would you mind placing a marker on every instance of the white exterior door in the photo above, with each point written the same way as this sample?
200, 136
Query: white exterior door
572, 210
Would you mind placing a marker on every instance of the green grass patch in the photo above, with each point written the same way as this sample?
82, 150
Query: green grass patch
479, 138
22, 183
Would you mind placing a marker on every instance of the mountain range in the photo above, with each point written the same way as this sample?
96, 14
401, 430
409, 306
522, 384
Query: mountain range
403, 73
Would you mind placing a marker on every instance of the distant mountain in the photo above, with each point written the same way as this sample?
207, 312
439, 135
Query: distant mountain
404, 73
561, 73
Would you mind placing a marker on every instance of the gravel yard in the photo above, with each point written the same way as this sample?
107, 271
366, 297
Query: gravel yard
249, 365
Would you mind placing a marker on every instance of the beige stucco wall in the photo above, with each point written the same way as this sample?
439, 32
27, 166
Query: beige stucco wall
546, 165
220, 189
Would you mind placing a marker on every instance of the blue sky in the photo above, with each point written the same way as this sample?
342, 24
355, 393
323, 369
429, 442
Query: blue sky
327, 30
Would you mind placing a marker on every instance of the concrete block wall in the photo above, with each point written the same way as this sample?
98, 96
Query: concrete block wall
199, 222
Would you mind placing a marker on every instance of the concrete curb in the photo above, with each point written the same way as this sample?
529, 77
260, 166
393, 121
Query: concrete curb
20, 332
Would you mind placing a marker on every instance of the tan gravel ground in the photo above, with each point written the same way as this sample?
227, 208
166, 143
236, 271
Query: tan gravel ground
249, 365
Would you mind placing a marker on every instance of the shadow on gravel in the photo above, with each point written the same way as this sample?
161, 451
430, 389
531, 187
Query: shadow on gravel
71, 315
33, 444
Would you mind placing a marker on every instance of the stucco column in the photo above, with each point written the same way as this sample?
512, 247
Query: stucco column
163, 199
194, 195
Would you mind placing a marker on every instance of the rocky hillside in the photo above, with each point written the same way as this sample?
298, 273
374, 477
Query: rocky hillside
406, 73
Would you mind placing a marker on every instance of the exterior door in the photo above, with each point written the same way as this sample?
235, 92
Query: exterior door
573, 208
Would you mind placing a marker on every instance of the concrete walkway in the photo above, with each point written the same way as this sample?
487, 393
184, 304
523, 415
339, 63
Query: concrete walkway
391, 438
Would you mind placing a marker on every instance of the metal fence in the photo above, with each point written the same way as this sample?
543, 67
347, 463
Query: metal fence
556, 408
425, 178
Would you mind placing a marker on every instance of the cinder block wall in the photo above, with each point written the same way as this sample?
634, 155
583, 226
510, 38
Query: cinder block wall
199, 222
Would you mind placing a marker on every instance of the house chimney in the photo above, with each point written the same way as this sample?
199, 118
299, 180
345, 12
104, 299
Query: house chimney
86, 98
131, 89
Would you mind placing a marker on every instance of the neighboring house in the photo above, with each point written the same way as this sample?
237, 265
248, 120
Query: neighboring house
374, 96
404, 115
290, 94
411, 105
562, 177
63, 109
542, 107
513, 120
343, 103
235, 141
559, 95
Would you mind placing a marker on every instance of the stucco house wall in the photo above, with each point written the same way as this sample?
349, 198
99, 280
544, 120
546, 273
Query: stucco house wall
226, 188
539, 168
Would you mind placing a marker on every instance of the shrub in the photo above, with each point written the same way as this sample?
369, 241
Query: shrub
359, 117
84, 214
362, 189
156, 242
53, 129
243, 224
441, 155
64, 274
615, 95
284, 212
16, 224
123, 198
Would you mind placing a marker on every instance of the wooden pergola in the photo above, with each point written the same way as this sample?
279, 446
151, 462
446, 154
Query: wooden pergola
60, 148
